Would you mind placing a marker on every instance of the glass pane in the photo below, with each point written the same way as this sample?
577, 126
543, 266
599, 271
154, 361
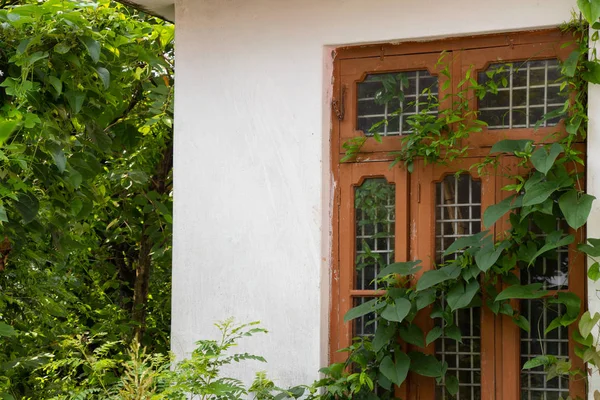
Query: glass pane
552, 271
375, 219
458, 211
535, 343
386, 102
365, 325
526, 91
463, 358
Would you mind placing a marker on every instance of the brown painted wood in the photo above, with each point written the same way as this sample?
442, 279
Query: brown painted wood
334, 301
355, 71
451, 44
508, 361
481, 59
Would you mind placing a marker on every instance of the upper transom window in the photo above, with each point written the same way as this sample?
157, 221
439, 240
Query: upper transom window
386, 102
522, 93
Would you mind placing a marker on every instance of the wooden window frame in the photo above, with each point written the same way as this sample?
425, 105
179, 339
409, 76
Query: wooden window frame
501, 363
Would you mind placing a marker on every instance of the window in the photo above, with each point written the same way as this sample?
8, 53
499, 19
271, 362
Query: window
387, 214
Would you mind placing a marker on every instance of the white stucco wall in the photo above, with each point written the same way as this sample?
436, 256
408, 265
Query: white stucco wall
593, 188
252, 183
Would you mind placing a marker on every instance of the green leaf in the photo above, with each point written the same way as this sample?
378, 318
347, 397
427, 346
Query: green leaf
553, 241
494, 212
360, 310
28, 206
430, 278
460, 296
58, 155
553, 325
590, 9
592, 249
75, 178
543, 161
56, 84
576, 207
139, 177
6, 128
397, 371
400, 268
522, 292
465, 241
398, 311
522, 323
572, 303
93, 48
31, 120
575, 122
510, 146
35, 57
570, 65
383, 335
22, 48
62, 48
425, 298
75, 100
488, 255
592, 75
539, 193
533, 180
433, 334
412, 334
453, 332
104, 76
546, 222
103, 141
587, 341
587, 323
3, 216
561, 367
7, 330
539, 361
452, 384
593, 272
425, 364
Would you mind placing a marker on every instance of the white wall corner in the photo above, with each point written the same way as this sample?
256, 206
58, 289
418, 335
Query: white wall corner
593, 188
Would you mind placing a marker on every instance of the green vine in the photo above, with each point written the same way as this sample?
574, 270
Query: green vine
540, 209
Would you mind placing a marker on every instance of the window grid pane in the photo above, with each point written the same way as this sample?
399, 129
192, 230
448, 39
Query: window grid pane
535, 343
551, 271
375, 223
378, 100
531, 92
458, 213
464, 359
365, 325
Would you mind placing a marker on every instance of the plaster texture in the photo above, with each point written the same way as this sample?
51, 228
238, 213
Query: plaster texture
593, 188
252, 178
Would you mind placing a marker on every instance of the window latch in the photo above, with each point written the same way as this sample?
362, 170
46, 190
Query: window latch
339, 106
